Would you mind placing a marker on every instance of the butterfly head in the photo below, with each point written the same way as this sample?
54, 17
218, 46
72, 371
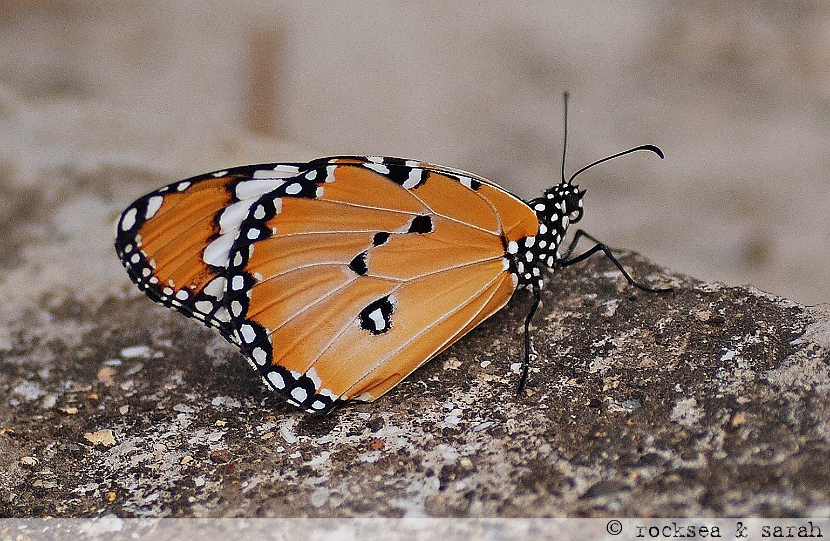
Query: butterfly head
558, 208
571, 197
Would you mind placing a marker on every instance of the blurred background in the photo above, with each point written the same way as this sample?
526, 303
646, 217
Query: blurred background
737, 94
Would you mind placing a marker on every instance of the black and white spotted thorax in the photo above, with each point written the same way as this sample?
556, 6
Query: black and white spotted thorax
558, 207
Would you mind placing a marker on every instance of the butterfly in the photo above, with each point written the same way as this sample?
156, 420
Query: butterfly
338, 277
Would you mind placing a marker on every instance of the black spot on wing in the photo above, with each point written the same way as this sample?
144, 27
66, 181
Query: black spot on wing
408, 177
391, 160
420, 225
380, 238
377, 316
358, 264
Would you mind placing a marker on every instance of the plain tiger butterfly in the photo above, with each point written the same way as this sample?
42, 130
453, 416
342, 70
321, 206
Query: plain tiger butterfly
338, 277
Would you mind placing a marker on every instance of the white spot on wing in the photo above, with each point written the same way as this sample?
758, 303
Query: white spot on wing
276, 380
218, 252
315, 379
237, 282
377, 318
204, 306
284, 170
222, 315
378, 168
216, 287
248, 333
259, 355
231, 218
153, 205
128, 221
413, 179
251, 189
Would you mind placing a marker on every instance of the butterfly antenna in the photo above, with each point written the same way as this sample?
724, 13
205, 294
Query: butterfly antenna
649, 148
565, 96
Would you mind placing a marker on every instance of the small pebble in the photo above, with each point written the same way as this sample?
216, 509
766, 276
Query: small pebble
103, 437
28, 461
220, 456
135, 351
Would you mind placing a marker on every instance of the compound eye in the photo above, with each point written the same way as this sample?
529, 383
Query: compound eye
574, 205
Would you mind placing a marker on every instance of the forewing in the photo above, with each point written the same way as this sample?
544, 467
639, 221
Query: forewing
175, 241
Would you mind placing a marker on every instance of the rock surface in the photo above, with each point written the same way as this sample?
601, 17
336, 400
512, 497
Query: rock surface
709, 401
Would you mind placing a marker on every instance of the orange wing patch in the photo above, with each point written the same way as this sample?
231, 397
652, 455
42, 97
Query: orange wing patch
517, 219
359, 186
447, 245
446, 196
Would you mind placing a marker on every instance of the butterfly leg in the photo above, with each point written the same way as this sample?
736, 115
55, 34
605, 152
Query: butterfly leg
567, 261
537, 299
580, 233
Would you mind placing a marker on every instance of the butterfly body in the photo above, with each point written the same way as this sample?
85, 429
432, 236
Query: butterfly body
338, 277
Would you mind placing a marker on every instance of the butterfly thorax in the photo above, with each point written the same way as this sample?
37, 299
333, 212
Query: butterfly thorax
558, 207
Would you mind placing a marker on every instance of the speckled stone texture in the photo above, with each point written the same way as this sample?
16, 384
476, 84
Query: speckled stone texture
709, 401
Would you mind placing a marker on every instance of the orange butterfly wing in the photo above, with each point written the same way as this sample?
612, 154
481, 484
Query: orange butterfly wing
174, 241
351, 275
337, 277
